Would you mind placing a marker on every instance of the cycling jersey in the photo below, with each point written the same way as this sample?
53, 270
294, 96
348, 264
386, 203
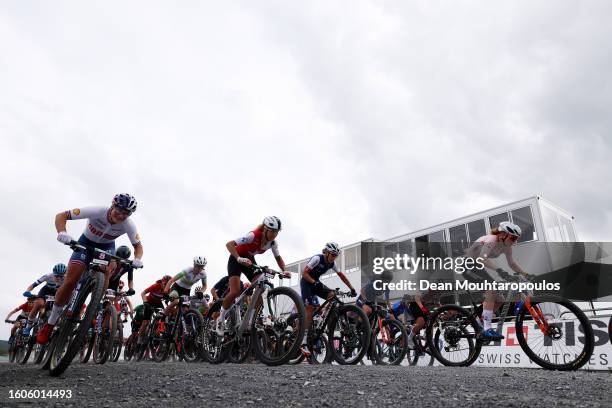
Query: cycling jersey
25, 308
99, 228
250, 245
399, 308
186, 278
317, 266
52, 281
155, 293
138, 313
488, 246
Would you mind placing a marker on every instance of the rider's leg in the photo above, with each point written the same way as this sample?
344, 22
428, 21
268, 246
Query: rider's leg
487, 309
228, 300
38, 305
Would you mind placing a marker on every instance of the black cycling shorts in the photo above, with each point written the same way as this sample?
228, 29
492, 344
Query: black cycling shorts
234, 268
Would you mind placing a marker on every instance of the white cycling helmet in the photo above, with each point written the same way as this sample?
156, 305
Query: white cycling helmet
199, 261
272, 222
332, 248
510, 228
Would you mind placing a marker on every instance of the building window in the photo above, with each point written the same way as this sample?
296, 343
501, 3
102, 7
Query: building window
458, 239
352, 258
496, 219
476, 229
431, 245
523, 218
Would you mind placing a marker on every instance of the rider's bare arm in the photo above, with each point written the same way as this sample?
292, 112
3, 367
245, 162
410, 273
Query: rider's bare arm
138, 250
280, 262
170, 283
60, 221
306, 275
231, 247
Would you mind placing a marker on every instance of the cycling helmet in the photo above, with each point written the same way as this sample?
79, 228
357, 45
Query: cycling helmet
166, 278
123, 252
59, 269
173, 295
125, 202
199, 261
332, 248
272, 222
510, 228
31, 298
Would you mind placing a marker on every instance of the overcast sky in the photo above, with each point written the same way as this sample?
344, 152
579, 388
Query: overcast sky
347, 120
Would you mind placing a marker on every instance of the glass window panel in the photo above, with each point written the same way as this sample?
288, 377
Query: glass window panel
476, 229
436, 244
522, 217
496, 219
458, 239
350, 257
551, 225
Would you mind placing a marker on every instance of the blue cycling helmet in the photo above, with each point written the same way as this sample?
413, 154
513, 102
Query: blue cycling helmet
59, 270
125, 202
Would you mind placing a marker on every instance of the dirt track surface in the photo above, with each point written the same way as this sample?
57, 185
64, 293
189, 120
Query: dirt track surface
248, 385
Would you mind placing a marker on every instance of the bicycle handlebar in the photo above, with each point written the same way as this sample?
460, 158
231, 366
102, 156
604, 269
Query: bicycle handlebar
74, 245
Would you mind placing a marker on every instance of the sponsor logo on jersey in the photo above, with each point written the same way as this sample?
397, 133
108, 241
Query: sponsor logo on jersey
76, 211
137, 237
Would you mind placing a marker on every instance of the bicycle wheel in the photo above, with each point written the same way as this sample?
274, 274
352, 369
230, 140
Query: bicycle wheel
191, 339
87, 348
389, 344
130, 347
39, 352
349, 334
20, 348
547, 329
70, 337
103, 345
451, 333
239, 350
274, 341
11, 351
117, 343
27, 349
610, 330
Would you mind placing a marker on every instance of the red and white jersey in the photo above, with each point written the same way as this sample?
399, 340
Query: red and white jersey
99, 228
250, 244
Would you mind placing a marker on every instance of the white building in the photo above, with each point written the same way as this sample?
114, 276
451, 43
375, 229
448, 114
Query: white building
539, 219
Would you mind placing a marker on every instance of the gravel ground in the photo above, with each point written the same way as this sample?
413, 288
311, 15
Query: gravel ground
181, 384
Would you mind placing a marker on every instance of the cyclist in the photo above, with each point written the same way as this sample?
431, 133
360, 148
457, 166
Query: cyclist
222, 287
419, 309
400, 309
183, 281
152, 299
104, 226
25, 310
488, 247
53, 281
312, 288
373, 290
242, 257
115, 283
119, 289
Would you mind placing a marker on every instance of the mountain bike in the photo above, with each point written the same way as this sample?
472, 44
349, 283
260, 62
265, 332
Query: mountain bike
262, 324
389, 342
105, 328
183, 333
39, 349
71, 329
153, 335
545, 325
122, 315
338, 332
19, 342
